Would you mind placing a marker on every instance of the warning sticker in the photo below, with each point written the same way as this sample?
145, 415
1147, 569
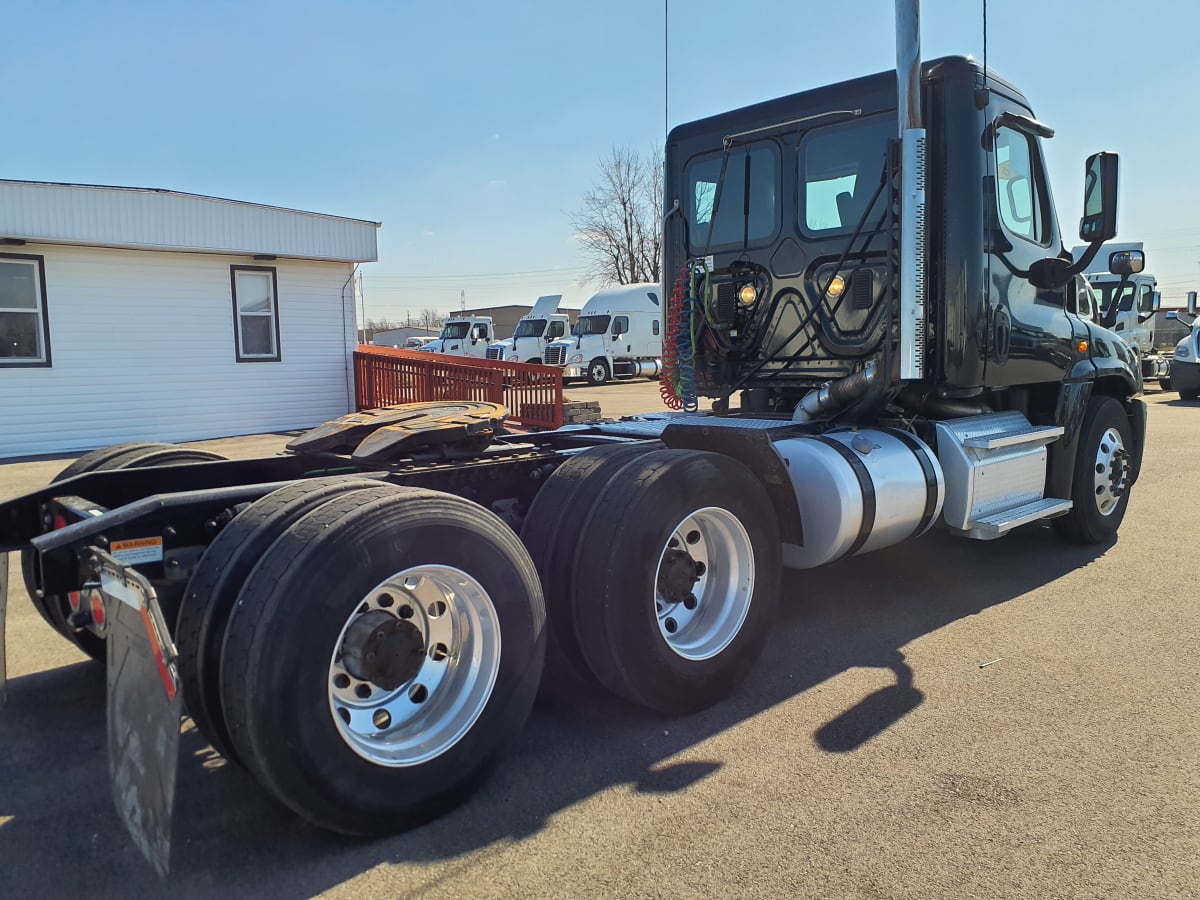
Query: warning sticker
138, 550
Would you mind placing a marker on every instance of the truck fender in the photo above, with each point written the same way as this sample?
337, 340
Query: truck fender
754, 449
1072, 403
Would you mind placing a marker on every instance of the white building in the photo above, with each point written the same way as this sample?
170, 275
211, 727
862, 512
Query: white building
135, 314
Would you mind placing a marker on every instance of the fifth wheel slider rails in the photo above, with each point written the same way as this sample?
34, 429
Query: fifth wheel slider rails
867, 279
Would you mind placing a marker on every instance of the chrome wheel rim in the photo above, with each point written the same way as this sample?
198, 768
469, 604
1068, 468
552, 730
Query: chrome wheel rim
701, 611
599, 373
1111, 472
433, 638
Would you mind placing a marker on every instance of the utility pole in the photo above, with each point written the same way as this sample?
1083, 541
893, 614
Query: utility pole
462, 301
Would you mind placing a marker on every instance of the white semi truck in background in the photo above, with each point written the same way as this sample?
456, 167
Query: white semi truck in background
1126, 305
538, 328
463, 336
1185, 364
619, 334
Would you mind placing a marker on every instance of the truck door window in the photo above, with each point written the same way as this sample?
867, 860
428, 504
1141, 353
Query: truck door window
556, 330
1082, 298
654, 326
620, 325
1145, 299
840, 168
737, 222
1020, 191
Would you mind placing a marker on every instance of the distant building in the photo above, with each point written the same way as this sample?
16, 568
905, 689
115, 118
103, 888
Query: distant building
398, 337
130, 314
1169, 332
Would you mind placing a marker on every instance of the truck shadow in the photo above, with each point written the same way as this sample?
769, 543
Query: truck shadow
231, 839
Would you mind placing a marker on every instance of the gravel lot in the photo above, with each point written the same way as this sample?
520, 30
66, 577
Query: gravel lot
871, 754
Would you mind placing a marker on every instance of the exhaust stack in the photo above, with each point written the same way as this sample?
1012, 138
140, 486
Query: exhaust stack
912, 190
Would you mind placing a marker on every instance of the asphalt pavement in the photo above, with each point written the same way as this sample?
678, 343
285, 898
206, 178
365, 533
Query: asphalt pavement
946, 718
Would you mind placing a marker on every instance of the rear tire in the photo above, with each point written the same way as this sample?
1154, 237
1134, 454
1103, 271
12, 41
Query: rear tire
674, 610
218, 577
295, 631
552, 531
56, 609
1103, 467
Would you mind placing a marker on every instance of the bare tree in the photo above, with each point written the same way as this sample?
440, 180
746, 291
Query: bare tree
384, 323
429, 318
619, 225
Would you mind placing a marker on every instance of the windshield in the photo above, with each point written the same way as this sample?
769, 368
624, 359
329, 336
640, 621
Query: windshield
592, 325
1106, 292
741, 219
530, 328
455, 330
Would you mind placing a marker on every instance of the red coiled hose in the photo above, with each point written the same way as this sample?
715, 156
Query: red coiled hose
668, 382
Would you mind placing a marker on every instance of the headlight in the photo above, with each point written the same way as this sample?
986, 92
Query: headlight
577, 358
513, 358
1182, 352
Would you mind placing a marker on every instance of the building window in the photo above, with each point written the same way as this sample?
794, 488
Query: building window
24, 324
256, 313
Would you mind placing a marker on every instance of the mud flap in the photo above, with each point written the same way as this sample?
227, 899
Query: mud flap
144, 708
3, 620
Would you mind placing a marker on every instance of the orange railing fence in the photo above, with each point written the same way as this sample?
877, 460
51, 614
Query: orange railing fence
384, 376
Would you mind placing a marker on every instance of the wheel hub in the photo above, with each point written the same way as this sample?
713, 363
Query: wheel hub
1112, 472
676, 576
383, 650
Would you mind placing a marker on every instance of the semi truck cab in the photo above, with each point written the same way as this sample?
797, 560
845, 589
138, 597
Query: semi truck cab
463, 336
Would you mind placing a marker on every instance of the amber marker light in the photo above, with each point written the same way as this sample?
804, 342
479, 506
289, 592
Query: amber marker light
747, 294
836, 287
1081, 347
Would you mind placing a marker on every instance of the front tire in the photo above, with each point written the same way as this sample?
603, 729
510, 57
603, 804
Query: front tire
381, 656
673, 610
598, 372
1103, 474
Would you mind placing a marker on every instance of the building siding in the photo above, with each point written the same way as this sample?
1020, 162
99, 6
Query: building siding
143, 349
166, 220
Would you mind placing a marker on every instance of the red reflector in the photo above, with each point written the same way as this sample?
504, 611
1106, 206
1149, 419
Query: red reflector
73, 597
59, 521
97, 609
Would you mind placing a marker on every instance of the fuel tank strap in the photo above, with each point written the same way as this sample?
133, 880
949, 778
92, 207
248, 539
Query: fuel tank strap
931, 478
865, 484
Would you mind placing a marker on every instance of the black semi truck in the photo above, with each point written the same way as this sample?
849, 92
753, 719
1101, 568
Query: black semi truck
871, 285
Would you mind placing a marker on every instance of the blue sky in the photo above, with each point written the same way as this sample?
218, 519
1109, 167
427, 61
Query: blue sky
472, 129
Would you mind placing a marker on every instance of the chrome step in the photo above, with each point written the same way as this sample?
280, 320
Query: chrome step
998, 524
1033, 436
994, 463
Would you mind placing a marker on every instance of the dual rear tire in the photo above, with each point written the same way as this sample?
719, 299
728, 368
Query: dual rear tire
56, 609
366, 651
662, 575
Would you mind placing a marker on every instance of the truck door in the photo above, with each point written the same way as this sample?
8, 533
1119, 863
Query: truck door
1030, 336
1143, 323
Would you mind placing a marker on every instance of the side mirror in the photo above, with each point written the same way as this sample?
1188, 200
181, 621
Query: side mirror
1099, 222
1191, 303
1126, 262
1156, 301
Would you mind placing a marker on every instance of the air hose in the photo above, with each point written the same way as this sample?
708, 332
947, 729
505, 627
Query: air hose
678, 382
